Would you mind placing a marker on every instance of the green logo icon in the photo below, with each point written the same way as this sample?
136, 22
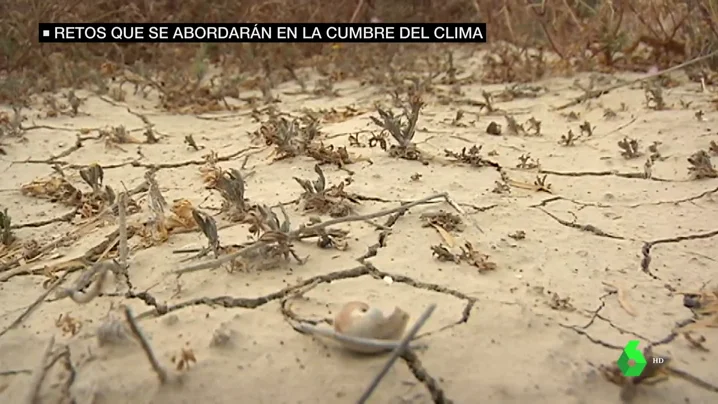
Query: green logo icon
631, 353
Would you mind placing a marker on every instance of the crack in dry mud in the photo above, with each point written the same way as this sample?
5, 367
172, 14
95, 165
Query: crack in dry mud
648, 245
636, 175
596, 314
422, 375
140, 164
589, 228
547, 201
411, 358
253, 303
65, 217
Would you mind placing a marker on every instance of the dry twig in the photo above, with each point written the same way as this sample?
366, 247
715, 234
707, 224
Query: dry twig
159, 370
403, 345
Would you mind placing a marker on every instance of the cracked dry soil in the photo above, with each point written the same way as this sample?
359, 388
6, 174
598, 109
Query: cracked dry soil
532, 330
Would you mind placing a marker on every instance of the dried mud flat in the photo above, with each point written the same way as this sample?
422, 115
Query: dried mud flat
584, 246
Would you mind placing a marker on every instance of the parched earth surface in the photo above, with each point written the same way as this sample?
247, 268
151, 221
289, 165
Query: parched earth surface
597, 256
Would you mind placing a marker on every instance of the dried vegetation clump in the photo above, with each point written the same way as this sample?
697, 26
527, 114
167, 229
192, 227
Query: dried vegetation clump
402, 128
527, 42
701, 165
59, 189
319, 199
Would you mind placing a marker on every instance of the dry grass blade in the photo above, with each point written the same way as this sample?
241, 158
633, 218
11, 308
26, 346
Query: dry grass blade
209, 228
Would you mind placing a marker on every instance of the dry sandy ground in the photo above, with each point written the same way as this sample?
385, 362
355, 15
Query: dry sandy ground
533, 330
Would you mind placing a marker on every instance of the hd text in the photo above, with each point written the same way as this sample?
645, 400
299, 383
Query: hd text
272, 32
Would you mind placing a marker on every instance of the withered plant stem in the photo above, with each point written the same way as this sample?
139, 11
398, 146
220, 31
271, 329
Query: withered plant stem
53, 244
299, 233
161, 372
122, 213
403, 345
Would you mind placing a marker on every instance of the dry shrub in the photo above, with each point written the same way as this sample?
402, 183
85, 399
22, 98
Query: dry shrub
582, 33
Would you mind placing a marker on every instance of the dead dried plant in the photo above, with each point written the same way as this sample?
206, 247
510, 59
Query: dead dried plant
317, 198
402, 131
11, 125
446, 220
701, 166
629, 148
568, 139
513, 127
290, 138
467, 254
118, 135
231, 186
162, 374
713, 148
158, 204
534, 127
527, 162
60, 189
505, 63
180, 218
209, 228
276, 242
654, 97
68, 325
210, 171
338, 156
472, 156
183, 360
586, 128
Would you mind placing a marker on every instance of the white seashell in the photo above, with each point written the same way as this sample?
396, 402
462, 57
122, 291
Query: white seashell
358, 319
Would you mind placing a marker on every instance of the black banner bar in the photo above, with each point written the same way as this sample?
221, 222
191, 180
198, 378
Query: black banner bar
270, 32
